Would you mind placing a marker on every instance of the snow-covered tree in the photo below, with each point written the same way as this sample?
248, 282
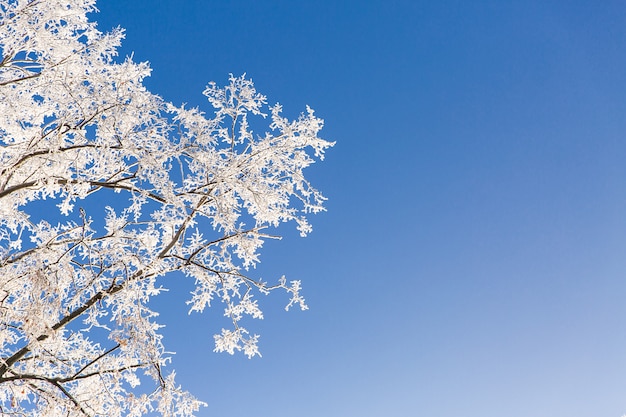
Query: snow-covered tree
104, 189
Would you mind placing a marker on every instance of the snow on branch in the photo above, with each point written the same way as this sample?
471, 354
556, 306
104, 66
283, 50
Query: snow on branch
104, 188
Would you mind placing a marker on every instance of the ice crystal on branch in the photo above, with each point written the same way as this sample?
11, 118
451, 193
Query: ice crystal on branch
184, 191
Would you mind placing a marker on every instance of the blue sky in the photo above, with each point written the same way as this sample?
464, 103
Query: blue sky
473, 259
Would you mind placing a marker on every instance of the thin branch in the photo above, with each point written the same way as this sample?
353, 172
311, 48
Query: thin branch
80, 371
71, 398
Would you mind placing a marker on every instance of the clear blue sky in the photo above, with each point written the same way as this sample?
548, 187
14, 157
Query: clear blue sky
473, 259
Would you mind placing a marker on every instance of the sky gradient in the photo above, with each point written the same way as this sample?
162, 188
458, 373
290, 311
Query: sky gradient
472, 261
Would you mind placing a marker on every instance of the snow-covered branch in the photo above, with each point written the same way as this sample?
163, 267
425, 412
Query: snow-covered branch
132, 189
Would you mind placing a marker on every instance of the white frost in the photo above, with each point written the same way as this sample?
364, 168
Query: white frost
189, 192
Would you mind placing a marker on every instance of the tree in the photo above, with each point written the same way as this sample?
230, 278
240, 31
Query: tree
190, 194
